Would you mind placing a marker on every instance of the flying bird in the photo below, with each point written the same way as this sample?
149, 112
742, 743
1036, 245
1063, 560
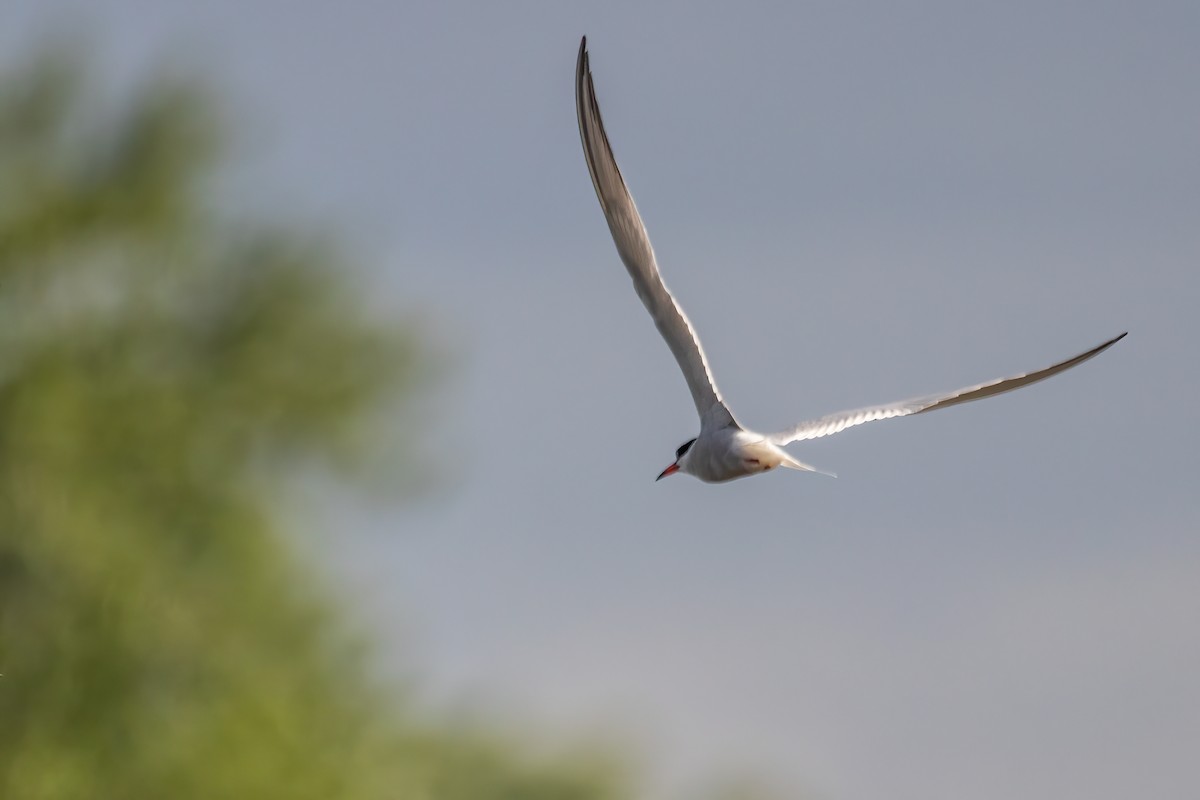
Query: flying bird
724, 450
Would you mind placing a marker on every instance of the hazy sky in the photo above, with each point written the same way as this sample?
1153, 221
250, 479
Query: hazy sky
856, 202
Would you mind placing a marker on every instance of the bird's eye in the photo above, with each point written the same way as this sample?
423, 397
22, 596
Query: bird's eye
683, 448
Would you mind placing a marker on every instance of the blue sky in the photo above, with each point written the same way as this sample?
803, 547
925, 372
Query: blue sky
855, 203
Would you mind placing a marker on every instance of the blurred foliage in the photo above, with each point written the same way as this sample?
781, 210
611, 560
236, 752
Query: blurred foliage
163, 372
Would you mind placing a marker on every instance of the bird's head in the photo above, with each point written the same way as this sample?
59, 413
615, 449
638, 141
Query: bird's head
680, 463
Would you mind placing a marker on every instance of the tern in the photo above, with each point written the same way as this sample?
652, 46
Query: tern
724, 450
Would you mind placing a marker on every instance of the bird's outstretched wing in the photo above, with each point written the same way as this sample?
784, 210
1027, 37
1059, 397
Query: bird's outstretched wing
633, 244
833, 423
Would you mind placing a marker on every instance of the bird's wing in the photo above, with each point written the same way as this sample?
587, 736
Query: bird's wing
633, 244
833, 423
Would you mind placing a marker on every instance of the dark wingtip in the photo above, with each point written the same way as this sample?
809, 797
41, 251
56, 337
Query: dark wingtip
1113, 341
1098, 349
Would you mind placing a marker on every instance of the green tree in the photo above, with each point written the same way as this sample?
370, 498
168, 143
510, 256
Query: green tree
165, 372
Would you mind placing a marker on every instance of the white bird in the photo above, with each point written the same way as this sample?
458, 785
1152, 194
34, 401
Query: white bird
725, 450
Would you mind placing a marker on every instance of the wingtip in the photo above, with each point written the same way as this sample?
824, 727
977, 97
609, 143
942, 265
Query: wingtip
581, 63
1113, 340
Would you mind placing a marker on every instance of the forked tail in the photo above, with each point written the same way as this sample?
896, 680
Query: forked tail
792, 463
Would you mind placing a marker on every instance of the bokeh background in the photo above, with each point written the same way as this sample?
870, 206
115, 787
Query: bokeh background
329, 420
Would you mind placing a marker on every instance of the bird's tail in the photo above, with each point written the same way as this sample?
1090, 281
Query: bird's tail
792, 463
